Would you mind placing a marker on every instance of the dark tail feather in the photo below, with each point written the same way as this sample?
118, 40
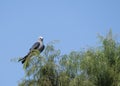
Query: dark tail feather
23, 59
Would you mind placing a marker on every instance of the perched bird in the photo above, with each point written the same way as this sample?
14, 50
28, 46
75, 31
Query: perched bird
37, 45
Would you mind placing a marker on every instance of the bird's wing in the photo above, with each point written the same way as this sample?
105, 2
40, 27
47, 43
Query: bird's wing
42, 48
35, 46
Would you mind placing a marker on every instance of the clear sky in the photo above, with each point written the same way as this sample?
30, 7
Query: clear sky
75, 23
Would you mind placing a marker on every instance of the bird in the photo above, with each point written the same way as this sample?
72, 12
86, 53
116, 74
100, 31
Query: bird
37, 45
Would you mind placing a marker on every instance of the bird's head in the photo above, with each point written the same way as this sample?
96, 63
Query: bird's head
40, 38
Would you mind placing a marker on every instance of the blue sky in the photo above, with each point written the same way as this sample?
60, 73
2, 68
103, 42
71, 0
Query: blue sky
75, 23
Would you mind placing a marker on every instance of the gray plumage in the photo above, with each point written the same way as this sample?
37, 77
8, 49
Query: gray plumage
38, 45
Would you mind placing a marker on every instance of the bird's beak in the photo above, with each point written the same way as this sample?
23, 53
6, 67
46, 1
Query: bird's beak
41, 39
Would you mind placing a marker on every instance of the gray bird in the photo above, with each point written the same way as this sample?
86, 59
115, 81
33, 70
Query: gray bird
37, 45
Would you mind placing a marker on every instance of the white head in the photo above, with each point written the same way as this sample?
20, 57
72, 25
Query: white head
40, 38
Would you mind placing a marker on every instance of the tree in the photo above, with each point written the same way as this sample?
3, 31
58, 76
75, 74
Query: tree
42, 70
101, 66
92, 67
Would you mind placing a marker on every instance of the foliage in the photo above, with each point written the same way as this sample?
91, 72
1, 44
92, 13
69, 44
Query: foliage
93, 67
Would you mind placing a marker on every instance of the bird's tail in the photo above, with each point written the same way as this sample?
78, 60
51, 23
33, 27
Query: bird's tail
23, 59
